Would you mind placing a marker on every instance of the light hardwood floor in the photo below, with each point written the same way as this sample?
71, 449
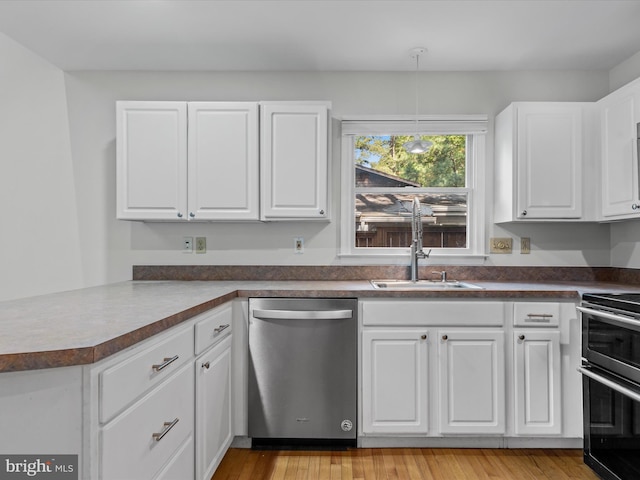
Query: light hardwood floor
404, 464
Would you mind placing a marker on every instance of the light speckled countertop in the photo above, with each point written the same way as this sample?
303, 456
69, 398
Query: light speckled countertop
83, 326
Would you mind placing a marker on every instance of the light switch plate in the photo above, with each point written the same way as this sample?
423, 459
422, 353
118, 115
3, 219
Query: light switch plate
187, 244
525, 245
501, 245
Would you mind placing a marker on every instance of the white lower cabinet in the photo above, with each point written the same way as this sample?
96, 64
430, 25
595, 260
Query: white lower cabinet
181, 466
159, 411
472, 381
394, 381
140, 441
470, 373
213, 408
538, 401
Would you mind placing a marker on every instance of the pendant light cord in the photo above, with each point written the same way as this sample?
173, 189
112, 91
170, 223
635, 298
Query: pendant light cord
416, 89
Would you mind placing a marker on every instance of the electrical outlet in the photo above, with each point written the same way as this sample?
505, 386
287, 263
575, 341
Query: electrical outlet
201, 244
501, 245
187, 244
525, 245
298, 245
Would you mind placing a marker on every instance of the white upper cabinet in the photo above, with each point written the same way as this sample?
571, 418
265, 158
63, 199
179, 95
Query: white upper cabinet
187, 161
223, 161
151, 160
294, 160
200, 161
539, 151
619, 114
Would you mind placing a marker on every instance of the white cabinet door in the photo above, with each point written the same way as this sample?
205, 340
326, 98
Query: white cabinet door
549, 161
294, 161
619, 154
223, 161
213, 408
538, 395
394, 381
472, 383
151, 160
539, 159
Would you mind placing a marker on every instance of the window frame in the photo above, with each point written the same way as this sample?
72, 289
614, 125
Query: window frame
473, 126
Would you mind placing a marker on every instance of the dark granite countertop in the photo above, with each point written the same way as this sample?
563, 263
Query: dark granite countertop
84, 326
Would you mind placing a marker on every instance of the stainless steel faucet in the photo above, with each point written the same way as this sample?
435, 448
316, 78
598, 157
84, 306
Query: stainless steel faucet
416, 239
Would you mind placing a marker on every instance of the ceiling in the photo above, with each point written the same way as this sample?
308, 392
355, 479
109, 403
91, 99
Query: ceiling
325, 35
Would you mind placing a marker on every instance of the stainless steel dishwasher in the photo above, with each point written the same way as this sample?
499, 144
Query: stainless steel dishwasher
302, 371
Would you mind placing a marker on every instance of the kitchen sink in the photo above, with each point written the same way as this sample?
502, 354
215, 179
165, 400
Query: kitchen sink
424, 285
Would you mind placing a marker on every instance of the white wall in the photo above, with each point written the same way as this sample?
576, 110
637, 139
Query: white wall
39, 243
624, 72
110, 247
625, 244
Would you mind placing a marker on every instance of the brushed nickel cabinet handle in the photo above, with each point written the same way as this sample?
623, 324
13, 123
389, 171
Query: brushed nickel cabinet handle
520, 337
167, 426
206, 365
445, 337
423, 337
220, 328
167, 361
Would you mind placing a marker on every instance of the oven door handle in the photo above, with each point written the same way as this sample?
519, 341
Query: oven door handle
610, 383
609, 316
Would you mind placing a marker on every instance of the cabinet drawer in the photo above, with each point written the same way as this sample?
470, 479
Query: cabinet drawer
214, 326
427, 312
536, 314
123, 383
181, 466
133, 446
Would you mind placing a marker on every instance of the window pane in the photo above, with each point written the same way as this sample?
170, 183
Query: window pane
382, 161
384, 220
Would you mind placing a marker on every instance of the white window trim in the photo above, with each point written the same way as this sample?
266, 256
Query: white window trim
472, 125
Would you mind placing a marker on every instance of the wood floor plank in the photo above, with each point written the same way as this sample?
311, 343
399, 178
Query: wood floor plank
314, 467
368, 468
405, 464
303, 467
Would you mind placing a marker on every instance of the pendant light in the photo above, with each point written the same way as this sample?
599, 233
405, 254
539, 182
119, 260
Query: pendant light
417, 145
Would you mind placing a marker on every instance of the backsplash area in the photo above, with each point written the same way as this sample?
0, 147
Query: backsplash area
491, 273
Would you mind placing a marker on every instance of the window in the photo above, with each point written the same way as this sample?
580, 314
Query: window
382, 179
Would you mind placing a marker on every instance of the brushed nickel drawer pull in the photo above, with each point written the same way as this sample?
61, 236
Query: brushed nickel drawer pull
220, 328
167, 361
538, 317
206, 365
167, 426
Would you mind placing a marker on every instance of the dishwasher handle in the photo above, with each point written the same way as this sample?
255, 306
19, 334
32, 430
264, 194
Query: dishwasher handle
302, 314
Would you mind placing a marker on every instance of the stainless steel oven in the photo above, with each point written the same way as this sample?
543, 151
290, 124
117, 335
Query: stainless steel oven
611, 384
